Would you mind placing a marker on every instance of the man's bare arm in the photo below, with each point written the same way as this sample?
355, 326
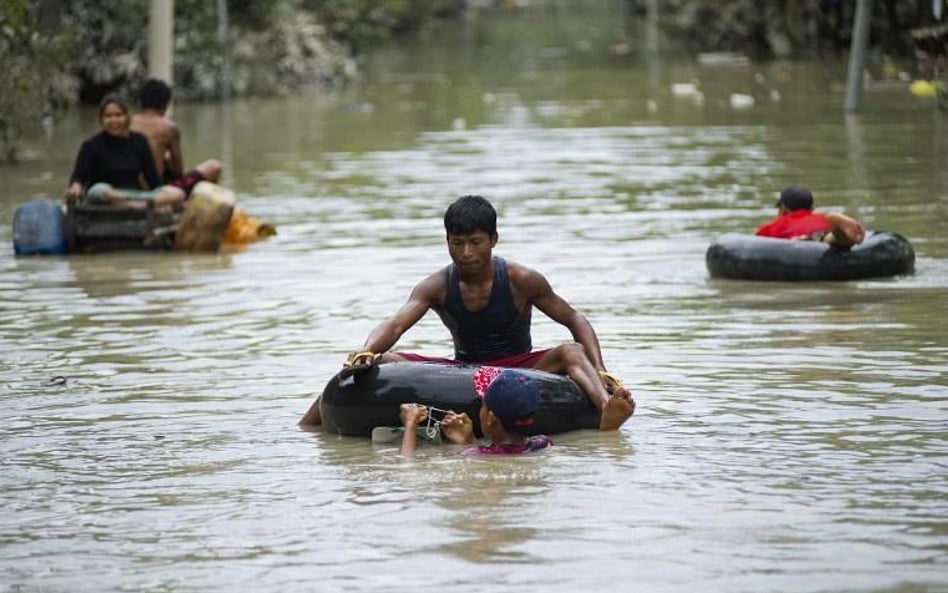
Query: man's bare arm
175, 156
537, 290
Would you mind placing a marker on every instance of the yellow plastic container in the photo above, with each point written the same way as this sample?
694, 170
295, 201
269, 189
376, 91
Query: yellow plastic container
205, 218
245, 229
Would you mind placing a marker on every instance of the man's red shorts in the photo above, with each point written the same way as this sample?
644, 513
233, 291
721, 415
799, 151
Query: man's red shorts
188, 181
527, 360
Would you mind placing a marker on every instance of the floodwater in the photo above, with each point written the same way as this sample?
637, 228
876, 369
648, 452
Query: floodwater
789, 437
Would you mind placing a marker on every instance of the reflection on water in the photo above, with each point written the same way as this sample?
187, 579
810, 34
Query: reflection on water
788, 437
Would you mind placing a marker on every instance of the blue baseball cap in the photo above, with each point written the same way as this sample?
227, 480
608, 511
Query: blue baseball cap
514, 398
795, 197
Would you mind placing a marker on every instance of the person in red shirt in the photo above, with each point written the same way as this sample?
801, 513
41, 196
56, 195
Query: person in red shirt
796, 220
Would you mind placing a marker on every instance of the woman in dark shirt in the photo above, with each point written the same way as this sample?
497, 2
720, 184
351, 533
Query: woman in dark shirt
116, 165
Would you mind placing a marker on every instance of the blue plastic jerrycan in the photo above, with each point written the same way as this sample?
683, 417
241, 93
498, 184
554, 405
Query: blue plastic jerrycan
39, 228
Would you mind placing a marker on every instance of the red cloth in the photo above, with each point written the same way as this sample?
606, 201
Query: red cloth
527, 360
799, 223
532, 445
484, 377
188, 181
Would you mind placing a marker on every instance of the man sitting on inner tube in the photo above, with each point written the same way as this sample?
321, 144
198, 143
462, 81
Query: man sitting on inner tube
796, 220
486, 303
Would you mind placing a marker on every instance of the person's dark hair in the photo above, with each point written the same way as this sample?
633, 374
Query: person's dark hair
109, 100
469, 214
155, 94
795, 197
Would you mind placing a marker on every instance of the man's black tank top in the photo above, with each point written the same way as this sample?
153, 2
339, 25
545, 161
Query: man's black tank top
495, 331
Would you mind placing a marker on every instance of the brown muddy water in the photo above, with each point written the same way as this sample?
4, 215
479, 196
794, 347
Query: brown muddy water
789, 437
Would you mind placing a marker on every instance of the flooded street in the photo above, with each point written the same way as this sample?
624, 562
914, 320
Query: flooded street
788, 437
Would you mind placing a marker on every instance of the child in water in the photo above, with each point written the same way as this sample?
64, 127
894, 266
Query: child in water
507, 408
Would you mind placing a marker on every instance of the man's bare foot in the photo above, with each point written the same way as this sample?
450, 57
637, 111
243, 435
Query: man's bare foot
617, 410
114, 195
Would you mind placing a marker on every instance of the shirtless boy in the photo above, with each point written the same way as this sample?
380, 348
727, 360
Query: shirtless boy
164, 138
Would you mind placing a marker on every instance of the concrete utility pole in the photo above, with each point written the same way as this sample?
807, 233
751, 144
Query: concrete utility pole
652, 54
161, 39
857, 55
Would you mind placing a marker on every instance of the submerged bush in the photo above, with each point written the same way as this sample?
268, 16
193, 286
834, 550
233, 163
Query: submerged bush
362, 23
766, 28
57, 52
34, 79
292, 52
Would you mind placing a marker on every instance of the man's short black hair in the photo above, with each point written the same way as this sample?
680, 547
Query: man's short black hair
469, 214
155, 94
795, 197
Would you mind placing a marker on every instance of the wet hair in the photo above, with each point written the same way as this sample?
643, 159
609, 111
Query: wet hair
469, 214
111, 99
155, 94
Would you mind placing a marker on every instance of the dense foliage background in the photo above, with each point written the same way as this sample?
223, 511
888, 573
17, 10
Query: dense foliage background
782, 28
58, 52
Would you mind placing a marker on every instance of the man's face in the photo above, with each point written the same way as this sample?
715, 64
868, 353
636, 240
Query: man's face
471, 252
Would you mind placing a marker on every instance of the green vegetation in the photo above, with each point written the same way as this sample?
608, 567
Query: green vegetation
362, 23
59, 52
34, 83
783, 28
